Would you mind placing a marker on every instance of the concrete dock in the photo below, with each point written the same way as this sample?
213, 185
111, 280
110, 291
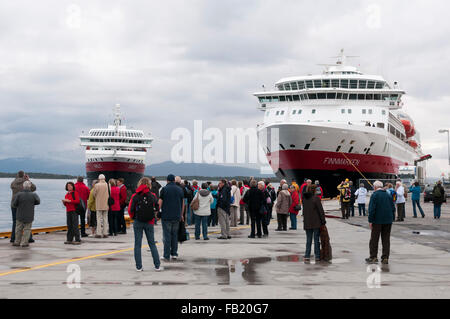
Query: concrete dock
238, 268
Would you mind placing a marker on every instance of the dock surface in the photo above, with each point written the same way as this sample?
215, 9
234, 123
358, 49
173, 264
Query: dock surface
238, 268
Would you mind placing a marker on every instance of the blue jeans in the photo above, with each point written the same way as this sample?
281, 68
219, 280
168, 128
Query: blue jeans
189, 216
139, 228
203, 220
293, 220
309, 237
437, 210
362, 208
417, 202
13, 231
170, 237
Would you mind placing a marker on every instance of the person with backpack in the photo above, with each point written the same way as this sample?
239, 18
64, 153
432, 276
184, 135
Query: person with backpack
438, 199
344, 198
201, 206
400, 191
114, 209
319, 190
71, 201
360, 195
142, 209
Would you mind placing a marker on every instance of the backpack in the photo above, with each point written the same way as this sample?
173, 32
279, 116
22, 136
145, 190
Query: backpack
347, 193
195, 203
437, 192
394, 195
145, 207
80, 209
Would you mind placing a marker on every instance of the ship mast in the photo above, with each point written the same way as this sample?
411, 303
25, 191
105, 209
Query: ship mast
117, 120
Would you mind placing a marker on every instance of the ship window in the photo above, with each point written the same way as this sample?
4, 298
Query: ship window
286, 86
282, 98
312, 96
274, 98
317, 83
363, 111
380, 125
370, 111
335, 83
377, 97
353, 84
344, 84
261, 99
282, 113
371, 144
313, 111
289, 98
302, 96
362, 84
321, 96
280, 87
371, 84
326, 83
361, 97
331, 96
309, 84
294, 85
352, 96
397, 133
338, 148
351, 149
342, 141
294, 111
296, 98
352, 142
292, 146
394, 97
307, 146
281, 145
305, 96
391, 129
380, 85
383, 112
299, 112
278, 113
301, 85
342, 111
369, 96
344, 96
349, 111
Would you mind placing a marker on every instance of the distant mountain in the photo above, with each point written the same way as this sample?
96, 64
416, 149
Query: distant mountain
13, 165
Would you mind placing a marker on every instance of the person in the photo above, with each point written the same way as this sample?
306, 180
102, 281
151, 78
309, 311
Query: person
142, 208
201, 215
319, 190
24, 203
91, 207
280, 188
186, 208
381, 217
297, 188
171, 202
195, 185
344, 198
223, 209
190, 192
293, 212
254, 199
391, 191
438, 199
273, 197
360, 195
265, 220
313, 219
400, 191
16, 187
123, 194
244, 214
71, 201
213, 207
234, 207
156, 186
114, 210
415, 190
352, 198
284, 201
101, 194
304, 189
83, 191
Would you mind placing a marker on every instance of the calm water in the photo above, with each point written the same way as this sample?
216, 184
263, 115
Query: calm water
51, 211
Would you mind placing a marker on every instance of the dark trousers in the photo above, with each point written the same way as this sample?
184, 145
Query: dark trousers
362, 209
345, 209
113, 221
72, 226
13, 231
170, 237
256, 219
122, 223
282, 221
401, 211
83, 223
385, 231
212, 219
352, 209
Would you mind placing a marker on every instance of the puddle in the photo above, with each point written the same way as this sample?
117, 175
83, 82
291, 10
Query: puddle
435, 233
158, 283
112, 258
21, 283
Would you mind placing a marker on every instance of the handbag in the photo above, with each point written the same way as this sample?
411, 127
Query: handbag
110, 199
80, 209
298, 207
195, 204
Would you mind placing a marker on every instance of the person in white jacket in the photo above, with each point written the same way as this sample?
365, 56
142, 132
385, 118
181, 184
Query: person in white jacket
201, 215
400, 201
361, 194
234, 208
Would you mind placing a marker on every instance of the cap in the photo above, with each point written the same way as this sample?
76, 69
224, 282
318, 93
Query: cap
170, 178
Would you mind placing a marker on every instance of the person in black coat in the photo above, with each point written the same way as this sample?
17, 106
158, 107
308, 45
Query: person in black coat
313, 219
223, 209
439, 197
255, 200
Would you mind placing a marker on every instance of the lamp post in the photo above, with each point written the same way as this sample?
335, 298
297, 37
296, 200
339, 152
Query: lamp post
448, 141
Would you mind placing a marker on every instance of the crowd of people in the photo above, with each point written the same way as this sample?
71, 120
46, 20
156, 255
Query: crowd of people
227, 204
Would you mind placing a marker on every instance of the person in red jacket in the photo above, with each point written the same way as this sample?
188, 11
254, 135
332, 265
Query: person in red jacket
123, 204
114, 210
71, 200
292, 212
83, 191
144, 187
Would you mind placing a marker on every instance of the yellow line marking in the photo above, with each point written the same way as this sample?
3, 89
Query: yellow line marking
92, 256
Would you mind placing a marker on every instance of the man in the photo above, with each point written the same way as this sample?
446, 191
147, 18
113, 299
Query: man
186, 211
223, 209
254, 198
155, 186
319, 190
400, 190
190, 193
16, 187
302, 187
123, 203
381, 217
83, 191
305, 188
344, 198
24, 202
101, 194
171, 202
280, 188
265, 218
438, 199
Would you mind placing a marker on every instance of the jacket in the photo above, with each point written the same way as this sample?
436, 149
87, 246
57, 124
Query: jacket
400, 195
72, 205
17, 186
254, 198
101, 196
205, 200
415, 190
342, 189
123, 195
141, 190
224, 198
214, 203
295, 201
91, 202
243, 190
381, 208
237, 195
115, 194
361, 194
83, 191
25, 201
284, 201
172, 196
438, 200
313, 213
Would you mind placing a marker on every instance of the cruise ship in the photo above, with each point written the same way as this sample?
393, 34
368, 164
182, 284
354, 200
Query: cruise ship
116, 152
336, 125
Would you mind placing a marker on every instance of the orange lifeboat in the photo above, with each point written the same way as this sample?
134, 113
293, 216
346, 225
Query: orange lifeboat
413, 143
409, 127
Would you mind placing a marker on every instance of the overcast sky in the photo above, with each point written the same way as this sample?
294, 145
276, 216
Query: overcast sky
64, 64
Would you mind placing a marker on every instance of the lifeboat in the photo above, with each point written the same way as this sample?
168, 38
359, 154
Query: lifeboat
413, 143
408, 124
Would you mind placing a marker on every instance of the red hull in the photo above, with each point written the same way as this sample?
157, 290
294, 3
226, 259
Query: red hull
115, 167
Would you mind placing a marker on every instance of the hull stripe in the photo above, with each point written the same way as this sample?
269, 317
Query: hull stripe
115, 167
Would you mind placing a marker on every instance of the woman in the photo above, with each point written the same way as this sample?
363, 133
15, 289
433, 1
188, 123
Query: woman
114, 210
71, 201
292, 211
284, 201
361, 194
254, 199
143, 193
234, 208
313, 218
415, 190
201, 215
91, 206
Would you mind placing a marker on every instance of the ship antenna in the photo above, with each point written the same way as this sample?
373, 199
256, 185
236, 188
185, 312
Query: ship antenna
117, 120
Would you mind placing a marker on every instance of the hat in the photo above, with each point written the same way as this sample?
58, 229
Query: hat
170, 178
346, 179
101, 177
